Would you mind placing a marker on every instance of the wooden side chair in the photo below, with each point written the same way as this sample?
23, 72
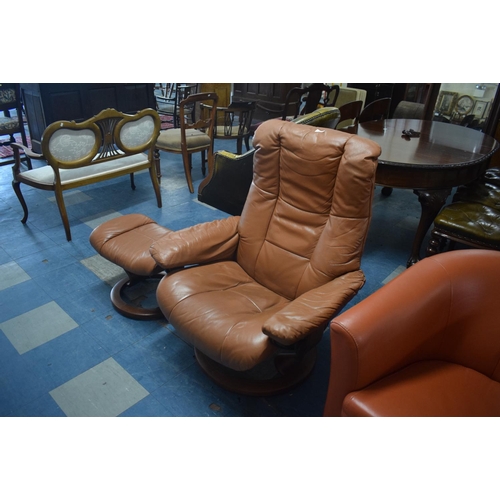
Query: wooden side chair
192, 136
376, 110
233, 122
473, 217
304, 100
11, 122
169, 103
349, 116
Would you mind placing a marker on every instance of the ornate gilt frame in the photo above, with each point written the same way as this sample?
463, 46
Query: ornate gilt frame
446, 102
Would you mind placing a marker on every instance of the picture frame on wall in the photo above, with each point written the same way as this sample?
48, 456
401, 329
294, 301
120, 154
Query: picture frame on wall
480, 109
446, 102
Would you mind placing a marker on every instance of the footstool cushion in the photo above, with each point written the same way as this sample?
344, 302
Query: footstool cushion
126, 241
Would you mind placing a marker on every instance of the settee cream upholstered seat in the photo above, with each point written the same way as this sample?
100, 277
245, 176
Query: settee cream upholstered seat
44, 176
425, 344
109, 145
254, 293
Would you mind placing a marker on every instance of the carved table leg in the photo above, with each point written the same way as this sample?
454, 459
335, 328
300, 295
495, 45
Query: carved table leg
431, 203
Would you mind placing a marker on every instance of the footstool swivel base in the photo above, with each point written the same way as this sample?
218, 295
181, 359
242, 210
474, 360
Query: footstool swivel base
126, 308
125, 241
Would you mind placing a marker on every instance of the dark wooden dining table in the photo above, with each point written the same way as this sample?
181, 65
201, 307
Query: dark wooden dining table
438, 158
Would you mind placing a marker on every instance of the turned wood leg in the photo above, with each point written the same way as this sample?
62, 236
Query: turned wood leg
156, 185
431, 203
156, 156
436, 244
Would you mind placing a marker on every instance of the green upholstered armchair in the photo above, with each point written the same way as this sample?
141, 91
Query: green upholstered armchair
473, 217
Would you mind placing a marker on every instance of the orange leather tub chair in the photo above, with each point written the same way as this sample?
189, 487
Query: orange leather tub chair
425, 344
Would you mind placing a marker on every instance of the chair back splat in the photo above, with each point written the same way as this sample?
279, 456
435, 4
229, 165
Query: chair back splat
233, 122
255, 292
170, 102
304, 100
349, 116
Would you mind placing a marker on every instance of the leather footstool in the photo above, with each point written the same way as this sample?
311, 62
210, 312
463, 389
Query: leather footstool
125, 241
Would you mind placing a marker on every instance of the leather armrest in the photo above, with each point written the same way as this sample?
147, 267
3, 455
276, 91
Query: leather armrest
312, 310
199, 244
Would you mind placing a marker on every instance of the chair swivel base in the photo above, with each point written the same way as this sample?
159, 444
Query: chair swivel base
264, 379
126, 308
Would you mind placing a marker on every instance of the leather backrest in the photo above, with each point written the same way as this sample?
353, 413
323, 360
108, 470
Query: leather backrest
308, 210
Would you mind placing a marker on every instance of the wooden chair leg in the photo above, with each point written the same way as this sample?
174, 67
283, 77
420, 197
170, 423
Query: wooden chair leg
186, 159
203, 163
64, 214
17, 189
156, 185
436, 244
156, 156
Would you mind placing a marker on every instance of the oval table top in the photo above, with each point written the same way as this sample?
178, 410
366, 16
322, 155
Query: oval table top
439, 158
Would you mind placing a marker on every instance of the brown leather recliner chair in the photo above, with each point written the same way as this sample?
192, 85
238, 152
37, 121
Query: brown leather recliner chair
125, 240
425, 344
259, 289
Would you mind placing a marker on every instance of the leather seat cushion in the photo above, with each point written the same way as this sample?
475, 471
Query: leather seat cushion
125, 241
191, 300
472, 221
485, 191
171, 139
427, 388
